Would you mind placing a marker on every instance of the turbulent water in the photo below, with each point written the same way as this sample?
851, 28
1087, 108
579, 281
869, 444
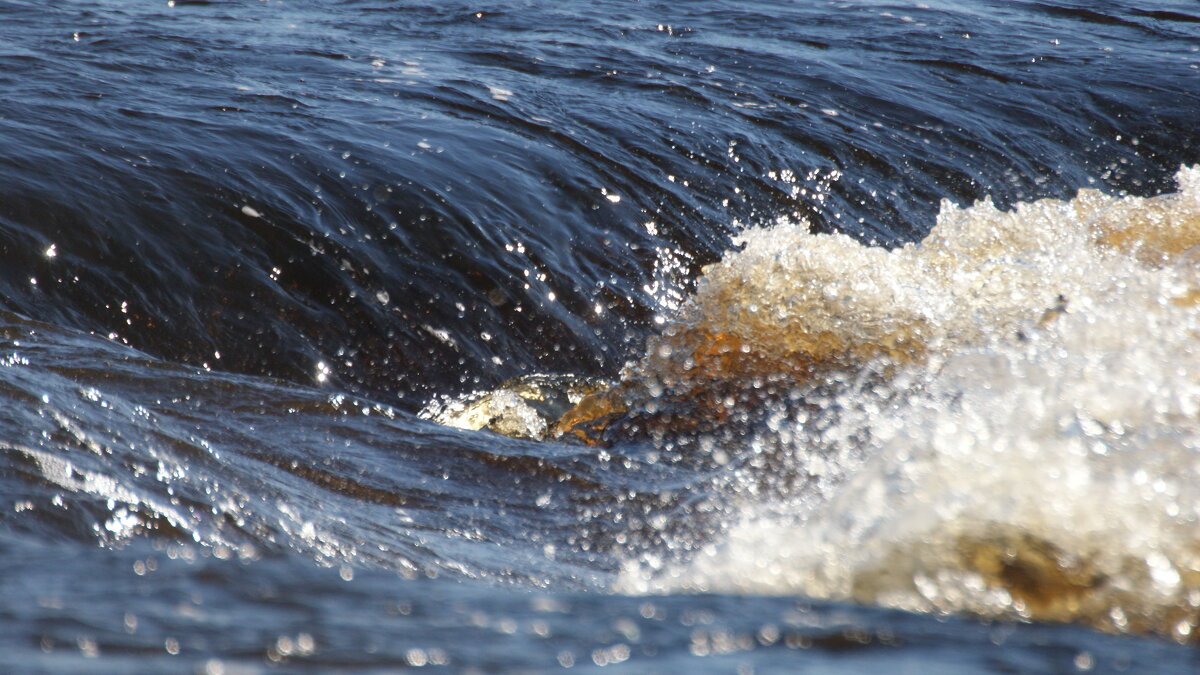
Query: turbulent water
879, 322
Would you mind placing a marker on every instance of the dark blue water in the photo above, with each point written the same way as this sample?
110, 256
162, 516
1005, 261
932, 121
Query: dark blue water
245, 242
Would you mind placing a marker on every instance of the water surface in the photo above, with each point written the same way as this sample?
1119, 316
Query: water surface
246, 244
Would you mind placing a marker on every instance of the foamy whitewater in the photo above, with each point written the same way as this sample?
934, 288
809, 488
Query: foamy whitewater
1026, 444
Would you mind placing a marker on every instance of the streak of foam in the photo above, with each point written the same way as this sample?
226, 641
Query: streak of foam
128, 509
1038, 455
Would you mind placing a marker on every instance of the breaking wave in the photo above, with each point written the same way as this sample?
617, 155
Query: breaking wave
1016, 430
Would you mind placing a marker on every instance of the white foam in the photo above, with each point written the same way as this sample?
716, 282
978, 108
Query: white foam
1027, 461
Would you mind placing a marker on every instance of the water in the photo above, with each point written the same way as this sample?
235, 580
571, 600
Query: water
250, 247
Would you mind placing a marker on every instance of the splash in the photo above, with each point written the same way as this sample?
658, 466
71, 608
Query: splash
522, 407
1003, 419
1028, 445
